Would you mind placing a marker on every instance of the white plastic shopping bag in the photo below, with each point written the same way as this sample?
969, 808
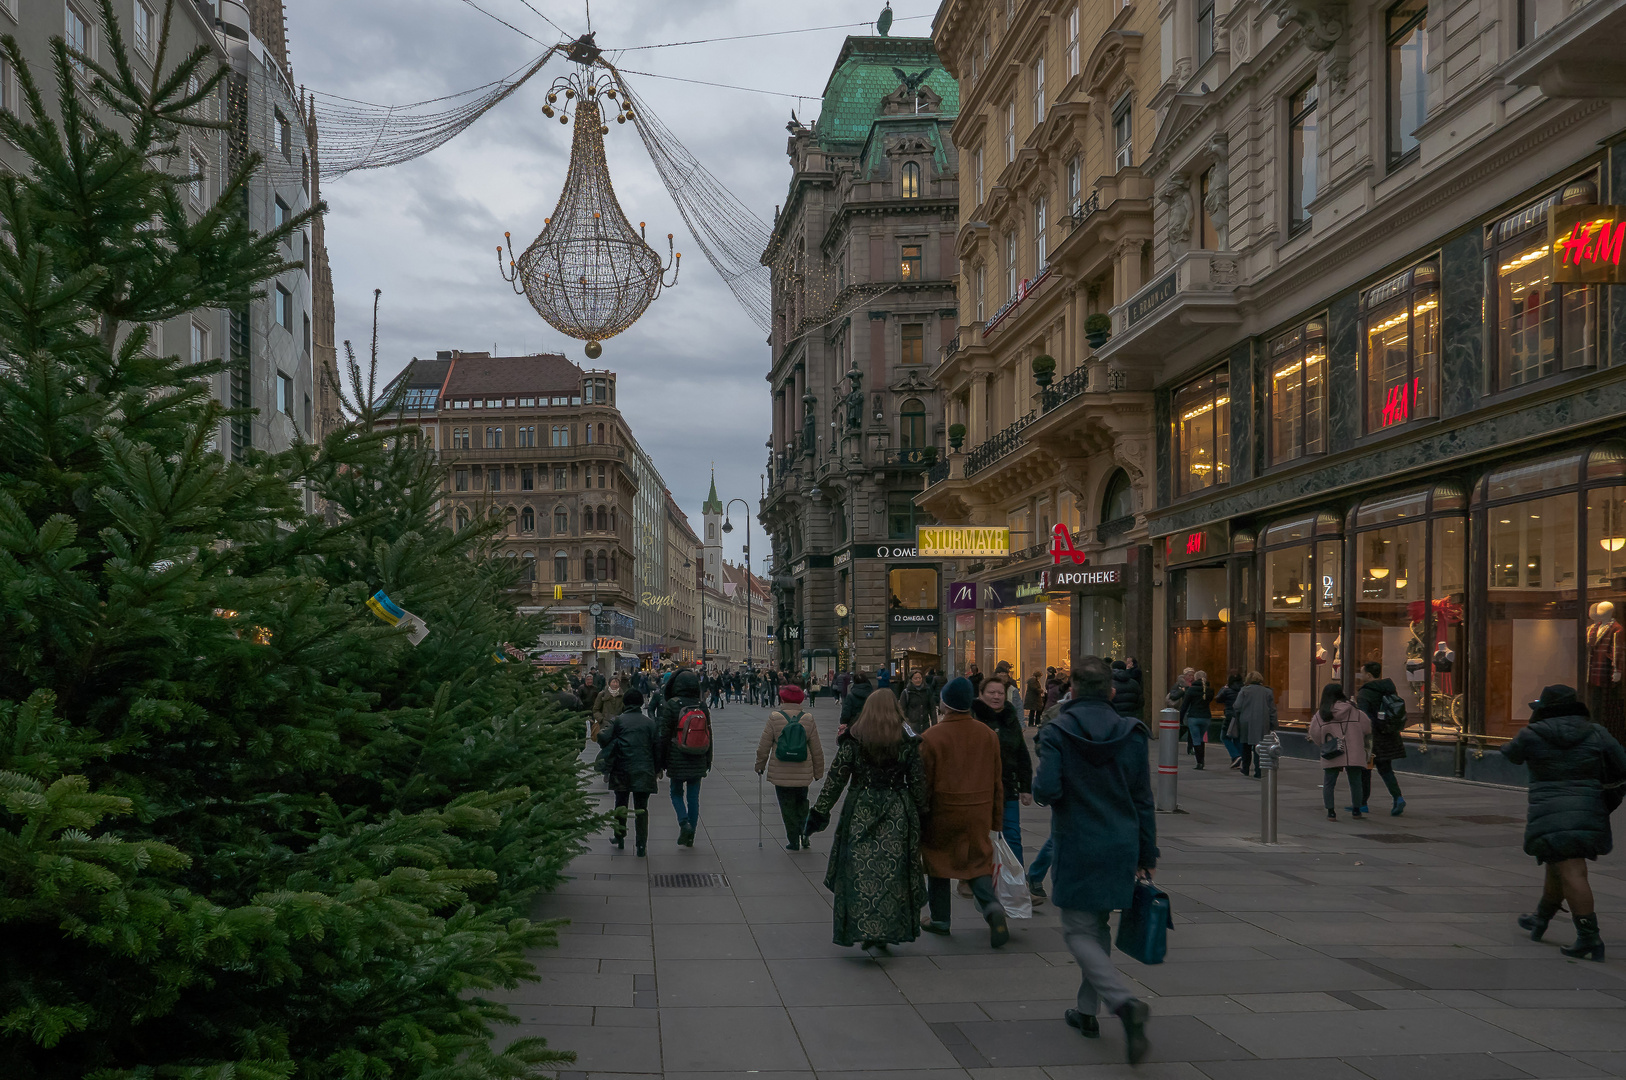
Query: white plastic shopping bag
1010, 880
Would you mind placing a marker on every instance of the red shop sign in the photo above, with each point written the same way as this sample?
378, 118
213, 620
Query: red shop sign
1588, 244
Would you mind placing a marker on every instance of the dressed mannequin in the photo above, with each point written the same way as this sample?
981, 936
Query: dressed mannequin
1416, 665
1606, 662
1444, 660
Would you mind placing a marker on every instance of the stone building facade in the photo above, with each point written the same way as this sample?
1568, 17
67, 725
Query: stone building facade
862, 264
1057, 212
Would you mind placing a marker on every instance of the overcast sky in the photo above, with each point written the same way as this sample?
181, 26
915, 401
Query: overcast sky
691, 370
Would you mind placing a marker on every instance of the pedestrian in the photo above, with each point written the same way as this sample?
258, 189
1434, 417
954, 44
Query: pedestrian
1576, 769
874, 871
1134, 670
1255, 710
1387, 745
999, 713
852, 703
1226, 700
974, 675
790, 754
606, 706
1338, 731
883, 678
1094, 776
918, 702
686, 750
632, 743
1004, 673
1033, 699
966, 793
1198, 716
1126, 691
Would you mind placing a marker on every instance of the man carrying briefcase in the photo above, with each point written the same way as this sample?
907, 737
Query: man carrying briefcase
1093, 774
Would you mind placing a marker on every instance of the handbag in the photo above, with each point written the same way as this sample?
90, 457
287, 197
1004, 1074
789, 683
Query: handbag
1010, 881
1144, 926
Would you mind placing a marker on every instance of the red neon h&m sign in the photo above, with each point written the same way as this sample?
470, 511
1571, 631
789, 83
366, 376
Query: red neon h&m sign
1588, 244
1397, 402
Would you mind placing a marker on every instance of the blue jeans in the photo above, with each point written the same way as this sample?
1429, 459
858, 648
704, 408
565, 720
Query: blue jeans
1198, 730
688, 817
1232, 746
1042, 861
1013, 827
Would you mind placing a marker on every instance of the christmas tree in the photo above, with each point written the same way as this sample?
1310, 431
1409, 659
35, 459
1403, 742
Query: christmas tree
247, 829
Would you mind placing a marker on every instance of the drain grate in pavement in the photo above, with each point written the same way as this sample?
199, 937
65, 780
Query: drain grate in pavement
1490, 819
688, 881
1397, 838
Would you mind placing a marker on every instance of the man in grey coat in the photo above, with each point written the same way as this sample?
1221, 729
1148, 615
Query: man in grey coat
1255, 710
1094, 776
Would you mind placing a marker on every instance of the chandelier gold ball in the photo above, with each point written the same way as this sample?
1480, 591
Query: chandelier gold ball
604, 129
563, 119
552, 98
570, 93
594, 350
547, 110
619, 120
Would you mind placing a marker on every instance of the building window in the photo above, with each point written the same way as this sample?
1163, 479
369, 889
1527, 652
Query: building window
560, 481
1303, 615
1072, 42
144, 26
527, 436
493, 479
1123, 133
527, 520
603, 520
307, 338
1207, 234
913, 349
462, 518
977, 158
1401, 347
1302, 147
1038, 91
494, 438
1118, 501
285, 309
199, 344
912, 425
1010, 132
1298, 392
910, 265
1541, 327
903, 518
78, 36
527, 478
911, 180
8, 86
280, 213
981, 278
1202, 432
1041, 239
1075, 184
601, 475
285, 395
560, 435
561, 521
1010, 266
197, 187
285, 139
561, 566
1408, 76
1536, 17
460, 479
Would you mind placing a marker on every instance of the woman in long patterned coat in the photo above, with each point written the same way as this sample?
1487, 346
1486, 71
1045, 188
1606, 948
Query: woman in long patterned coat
874, 868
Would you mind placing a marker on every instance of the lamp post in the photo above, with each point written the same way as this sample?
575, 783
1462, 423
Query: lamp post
728, 527
702, 565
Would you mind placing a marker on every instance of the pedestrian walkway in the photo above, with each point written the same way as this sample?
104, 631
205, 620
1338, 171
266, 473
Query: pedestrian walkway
1382, 949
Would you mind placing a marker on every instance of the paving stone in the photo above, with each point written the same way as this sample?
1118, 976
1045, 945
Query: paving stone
707, 983
1438, 1067
1281, 1069
1260, 976
1546, 1065
854, 980
597, 1049
702, 941
1290, 1003
1051, 1042
1568, 1030
1352, 1034
712, 1040
869, 1037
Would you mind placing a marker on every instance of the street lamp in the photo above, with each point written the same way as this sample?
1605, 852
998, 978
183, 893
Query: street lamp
686, 566
728, 527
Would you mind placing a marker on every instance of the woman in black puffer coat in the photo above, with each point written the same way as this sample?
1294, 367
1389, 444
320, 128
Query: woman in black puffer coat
1570, 760
1126, 692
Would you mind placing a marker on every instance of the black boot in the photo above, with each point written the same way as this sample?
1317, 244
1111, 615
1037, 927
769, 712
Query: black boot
1134, 1014
1536, 924
1588, 944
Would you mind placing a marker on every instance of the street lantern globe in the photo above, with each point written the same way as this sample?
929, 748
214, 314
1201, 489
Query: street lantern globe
728, 526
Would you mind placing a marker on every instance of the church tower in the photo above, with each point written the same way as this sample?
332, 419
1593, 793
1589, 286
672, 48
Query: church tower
712, 516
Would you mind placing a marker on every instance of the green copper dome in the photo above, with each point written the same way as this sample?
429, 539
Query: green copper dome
864, 75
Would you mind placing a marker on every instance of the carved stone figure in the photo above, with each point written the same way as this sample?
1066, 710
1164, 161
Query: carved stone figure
1218, 200
1177, 193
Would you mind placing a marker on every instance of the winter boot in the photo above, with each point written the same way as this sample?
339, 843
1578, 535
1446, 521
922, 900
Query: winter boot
1536, 924
999, 932
1134, 1014
1588, 944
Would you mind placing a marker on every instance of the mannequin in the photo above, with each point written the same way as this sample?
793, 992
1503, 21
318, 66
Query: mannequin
1605, 664
1444, 660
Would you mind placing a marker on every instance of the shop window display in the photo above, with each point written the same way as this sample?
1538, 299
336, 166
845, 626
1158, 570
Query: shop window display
1539, 327
1199, 621
1302, 614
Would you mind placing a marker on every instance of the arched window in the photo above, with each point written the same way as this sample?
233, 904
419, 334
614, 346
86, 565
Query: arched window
587, 565
587, 432
601, 433
603, 565
527, 520
613, 575
603, 520
530, 565
561, 521
462, 518
912, 425
601, 476
911, 180
512, 520
1119, 500
561, 566
612, 520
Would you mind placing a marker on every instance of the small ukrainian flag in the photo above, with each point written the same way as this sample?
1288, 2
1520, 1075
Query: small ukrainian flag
385, 608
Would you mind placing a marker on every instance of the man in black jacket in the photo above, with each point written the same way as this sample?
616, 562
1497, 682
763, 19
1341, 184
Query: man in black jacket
1126, 692
853, 704
1387, 747
684, 767
1000, 714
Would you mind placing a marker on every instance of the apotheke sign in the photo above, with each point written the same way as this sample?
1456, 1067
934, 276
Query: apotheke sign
1090, 577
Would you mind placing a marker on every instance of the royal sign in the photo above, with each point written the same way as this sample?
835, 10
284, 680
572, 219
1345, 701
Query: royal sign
963, 543
1588, 244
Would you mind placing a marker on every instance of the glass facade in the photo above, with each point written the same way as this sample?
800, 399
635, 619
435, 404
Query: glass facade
1298, 392
1202, 432
1400, 347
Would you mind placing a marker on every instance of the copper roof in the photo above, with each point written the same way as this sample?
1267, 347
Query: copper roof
482, 373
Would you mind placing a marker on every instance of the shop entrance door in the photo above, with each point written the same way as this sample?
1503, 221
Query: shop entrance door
1198, 619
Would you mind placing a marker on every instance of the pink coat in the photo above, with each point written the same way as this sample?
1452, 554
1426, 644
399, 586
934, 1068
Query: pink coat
1349, 724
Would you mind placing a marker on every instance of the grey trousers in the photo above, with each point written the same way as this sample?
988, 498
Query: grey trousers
1089, 939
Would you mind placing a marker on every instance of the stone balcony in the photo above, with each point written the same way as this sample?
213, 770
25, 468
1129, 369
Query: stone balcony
1194, 297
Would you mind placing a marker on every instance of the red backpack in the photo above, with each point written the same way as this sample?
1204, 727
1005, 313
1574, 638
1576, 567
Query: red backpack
693, 731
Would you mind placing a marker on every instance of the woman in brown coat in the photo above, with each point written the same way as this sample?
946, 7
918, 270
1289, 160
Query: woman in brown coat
967, 793
790, 779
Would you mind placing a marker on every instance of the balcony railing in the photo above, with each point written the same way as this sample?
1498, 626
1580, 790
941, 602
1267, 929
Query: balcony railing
952, 347
1074, 384
1116, 527
937, 473
919, 458
998, 445
1085, 209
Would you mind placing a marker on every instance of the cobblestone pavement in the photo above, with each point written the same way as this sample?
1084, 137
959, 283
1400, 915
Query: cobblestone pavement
1382, 949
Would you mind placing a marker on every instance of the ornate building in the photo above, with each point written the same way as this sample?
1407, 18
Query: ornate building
862, 263
1057, 219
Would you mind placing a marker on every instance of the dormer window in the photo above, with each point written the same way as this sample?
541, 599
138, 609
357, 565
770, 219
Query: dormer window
911, 180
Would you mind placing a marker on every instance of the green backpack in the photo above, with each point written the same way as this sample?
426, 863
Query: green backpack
792, 742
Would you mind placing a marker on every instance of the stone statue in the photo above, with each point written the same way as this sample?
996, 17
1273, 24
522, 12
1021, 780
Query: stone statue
1218, 200
1177, 193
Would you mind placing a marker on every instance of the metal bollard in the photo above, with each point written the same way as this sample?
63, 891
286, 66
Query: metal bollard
1168, 760
1269, 754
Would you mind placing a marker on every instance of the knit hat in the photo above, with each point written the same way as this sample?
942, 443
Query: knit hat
790, 694
957, 695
